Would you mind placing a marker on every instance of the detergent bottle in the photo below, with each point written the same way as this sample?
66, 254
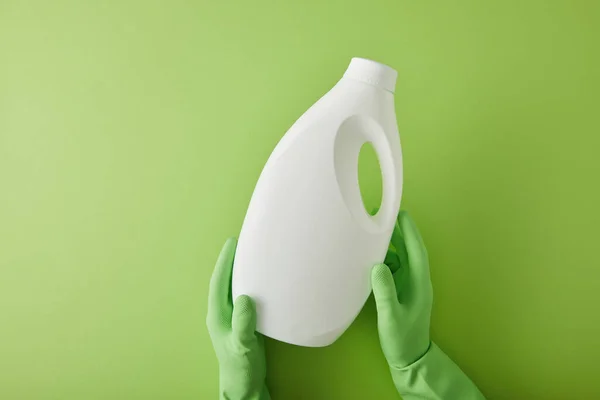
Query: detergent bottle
307, 244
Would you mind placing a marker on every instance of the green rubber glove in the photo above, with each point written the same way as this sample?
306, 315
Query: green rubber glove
404, 297
240, 350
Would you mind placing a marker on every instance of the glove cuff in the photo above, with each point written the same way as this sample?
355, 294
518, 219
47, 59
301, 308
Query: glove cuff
434, 376
432, 348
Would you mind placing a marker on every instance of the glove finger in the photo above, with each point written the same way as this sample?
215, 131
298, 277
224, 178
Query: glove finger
219, 293
392, 261
400, 279
402, 253
243, 322
384, 291
397, 241
418, 261
397, 236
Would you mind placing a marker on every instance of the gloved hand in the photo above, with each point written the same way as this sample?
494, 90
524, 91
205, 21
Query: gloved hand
240, 350
404, 298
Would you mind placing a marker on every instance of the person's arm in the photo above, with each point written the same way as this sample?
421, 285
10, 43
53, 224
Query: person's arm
404, 296
240, 350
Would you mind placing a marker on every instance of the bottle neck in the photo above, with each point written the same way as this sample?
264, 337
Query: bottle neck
372, 73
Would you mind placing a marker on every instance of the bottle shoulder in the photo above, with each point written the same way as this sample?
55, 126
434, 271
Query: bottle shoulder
319, 125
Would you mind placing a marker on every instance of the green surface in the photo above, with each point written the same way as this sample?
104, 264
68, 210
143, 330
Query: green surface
132, 134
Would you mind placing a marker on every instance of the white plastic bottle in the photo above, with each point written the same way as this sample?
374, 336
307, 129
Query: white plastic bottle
307, 244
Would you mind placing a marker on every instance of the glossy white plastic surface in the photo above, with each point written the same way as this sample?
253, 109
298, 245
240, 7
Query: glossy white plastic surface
307, 244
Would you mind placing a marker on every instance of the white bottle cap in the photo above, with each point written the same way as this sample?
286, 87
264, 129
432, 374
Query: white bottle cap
373, 73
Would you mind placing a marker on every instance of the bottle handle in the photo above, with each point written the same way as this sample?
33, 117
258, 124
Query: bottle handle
352, 134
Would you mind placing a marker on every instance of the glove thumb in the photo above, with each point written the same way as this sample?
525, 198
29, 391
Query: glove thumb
243, 322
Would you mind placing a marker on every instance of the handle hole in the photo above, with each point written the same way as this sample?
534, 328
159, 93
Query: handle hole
369, 178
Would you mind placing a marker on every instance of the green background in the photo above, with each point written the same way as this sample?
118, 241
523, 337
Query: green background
132, 134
